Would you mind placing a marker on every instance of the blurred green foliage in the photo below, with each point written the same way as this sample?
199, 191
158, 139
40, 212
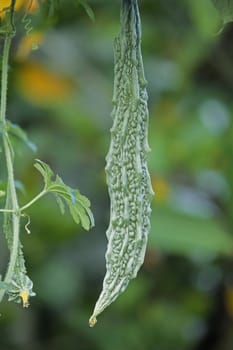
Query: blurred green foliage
61, 95
225, 8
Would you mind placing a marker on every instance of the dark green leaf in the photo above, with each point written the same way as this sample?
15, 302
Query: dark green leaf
88, 9
225, 7
60, 203
183, 234
78, 212
45, 171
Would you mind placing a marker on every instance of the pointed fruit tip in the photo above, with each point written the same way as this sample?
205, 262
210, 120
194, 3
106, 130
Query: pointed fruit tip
92, 321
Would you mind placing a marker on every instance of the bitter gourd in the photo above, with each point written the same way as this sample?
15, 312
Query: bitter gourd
126, 169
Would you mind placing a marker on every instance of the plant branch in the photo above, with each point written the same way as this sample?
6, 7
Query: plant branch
15, 208
5, 59
27, 205
7, 211
9, 163
41, 194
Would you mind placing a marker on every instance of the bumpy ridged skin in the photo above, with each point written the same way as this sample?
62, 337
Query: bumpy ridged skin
127, 173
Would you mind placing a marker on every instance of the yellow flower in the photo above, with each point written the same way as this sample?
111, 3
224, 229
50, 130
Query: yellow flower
25, 296
29, 5
41, 86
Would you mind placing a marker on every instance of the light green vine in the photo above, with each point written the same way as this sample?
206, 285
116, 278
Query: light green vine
16, 283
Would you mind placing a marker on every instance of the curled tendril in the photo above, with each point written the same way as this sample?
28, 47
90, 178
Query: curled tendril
27, 223
27, 21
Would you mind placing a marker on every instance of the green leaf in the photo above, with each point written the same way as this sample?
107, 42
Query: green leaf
79, 213
79, 205
225, 7
184, 234
45, 171
88, 9
60, 203
15, 130
49, 7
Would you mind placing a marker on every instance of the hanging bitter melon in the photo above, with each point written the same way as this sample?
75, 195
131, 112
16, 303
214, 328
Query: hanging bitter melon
126, 169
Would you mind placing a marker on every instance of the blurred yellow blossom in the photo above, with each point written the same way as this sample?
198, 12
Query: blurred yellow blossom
41, 86
29, 5
27, 44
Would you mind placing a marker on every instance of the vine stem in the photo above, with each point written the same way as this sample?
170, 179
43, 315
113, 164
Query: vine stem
27, 205
41, 194
5, 58
9, 164
7, 211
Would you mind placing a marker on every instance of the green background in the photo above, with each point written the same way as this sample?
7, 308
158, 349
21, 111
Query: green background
182, 298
